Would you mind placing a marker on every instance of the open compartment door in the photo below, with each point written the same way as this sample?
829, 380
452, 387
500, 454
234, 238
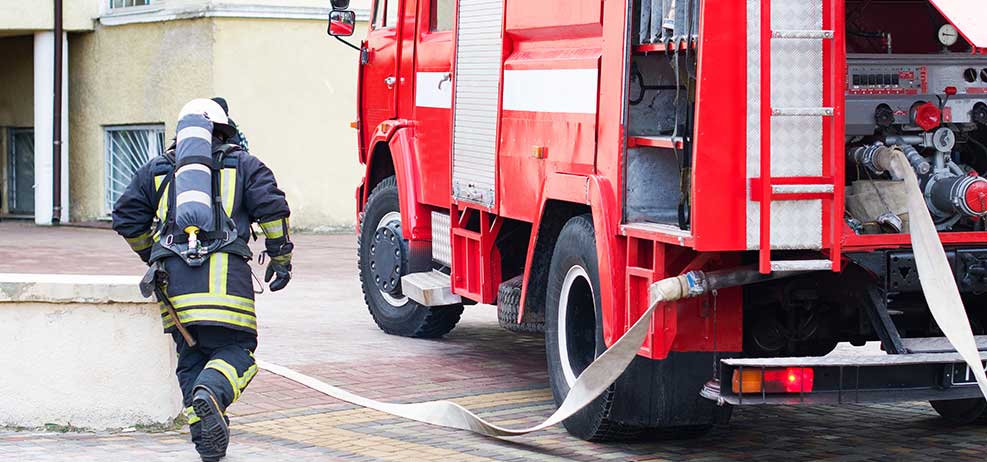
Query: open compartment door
970, 19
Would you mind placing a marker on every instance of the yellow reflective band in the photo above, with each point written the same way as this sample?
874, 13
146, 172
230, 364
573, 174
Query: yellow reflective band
274, 229
229, 372
230, 301
142, 242
228, 180
162, 205
190, 415
213, 315
282, 259
219, 266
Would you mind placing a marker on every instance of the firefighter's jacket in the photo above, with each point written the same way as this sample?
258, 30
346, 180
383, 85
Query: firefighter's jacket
220, 292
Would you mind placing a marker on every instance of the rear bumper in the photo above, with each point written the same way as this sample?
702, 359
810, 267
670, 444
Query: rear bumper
851, 379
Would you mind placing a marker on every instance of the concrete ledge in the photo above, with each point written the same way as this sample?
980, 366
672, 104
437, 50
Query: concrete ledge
68, 288
83, 351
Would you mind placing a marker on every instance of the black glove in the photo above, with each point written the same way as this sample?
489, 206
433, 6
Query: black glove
280, 270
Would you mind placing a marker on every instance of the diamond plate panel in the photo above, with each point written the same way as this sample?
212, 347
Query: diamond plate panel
441, 248
477, 85
796, 142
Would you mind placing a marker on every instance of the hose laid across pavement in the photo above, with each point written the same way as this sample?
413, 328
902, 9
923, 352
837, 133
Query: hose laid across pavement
937, 280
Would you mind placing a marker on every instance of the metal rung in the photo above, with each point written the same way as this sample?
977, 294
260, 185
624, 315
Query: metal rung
802, 189
803, 34
785, 266
802, 111
430, 289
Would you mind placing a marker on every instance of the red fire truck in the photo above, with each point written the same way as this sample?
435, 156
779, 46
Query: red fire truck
557, 157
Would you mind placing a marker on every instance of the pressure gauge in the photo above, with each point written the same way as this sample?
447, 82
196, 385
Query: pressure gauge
948, 35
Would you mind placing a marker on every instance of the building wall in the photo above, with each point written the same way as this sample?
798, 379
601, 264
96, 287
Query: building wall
39, 14
292, 90
132, 74
16, 97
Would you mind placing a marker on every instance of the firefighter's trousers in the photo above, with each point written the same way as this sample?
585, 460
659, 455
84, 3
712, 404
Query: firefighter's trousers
222, 362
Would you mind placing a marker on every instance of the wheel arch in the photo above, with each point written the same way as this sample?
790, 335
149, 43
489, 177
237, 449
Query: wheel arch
393, 153
564, 197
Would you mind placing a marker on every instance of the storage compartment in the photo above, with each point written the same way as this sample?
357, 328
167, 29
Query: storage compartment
658, 21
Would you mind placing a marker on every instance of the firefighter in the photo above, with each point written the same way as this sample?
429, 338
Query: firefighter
202, 270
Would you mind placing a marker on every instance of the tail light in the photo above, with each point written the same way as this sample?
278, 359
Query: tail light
775, 380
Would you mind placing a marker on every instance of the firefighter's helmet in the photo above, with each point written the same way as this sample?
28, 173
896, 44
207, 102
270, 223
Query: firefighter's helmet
213, 111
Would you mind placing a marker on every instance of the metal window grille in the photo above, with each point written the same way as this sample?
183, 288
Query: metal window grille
128, 148
126, 3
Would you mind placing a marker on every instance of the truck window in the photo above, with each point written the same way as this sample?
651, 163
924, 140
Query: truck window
442, 15
385, 14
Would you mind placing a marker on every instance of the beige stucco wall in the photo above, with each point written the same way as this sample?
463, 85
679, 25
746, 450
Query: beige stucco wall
39, 14
292, 89
16, 97
133, 74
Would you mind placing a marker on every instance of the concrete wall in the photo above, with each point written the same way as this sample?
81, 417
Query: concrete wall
292, 89
39, 14
16, 99
85, 351
133, 74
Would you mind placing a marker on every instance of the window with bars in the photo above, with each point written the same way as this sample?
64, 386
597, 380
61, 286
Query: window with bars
128, 148
126, 3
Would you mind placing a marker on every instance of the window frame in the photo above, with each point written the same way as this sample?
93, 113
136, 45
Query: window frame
133, 4
433, 9
108, 130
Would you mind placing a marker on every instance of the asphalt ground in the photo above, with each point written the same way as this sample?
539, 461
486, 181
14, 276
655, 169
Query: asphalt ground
320, 326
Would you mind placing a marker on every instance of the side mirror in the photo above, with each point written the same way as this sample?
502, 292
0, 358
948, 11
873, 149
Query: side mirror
341, 23
340, 4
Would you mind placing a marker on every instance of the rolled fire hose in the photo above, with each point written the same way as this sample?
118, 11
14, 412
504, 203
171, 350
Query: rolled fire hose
940, 289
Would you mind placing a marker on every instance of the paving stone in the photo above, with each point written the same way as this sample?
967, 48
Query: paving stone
320, 326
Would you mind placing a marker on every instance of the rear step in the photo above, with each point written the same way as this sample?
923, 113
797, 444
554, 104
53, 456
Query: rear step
801, 265
850, 377
433, 288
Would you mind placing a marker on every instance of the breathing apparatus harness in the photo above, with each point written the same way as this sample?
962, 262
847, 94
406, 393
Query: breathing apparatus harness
192, 244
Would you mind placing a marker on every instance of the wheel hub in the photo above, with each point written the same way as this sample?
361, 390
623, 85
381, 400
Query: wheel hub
386, 256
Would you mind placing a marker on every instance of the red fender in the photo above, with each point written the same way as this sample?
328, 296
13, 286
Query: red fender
596, 192
399, 136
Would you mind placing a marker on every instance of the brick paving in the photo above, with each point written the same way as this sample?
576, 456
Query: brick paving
320, 326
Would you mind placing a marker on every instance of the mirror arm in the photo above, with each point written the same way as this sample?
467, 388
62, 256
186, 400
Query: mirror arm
347, 43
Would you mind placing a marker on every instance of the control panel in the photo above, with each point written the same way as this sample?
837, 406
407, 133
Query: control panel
896, 83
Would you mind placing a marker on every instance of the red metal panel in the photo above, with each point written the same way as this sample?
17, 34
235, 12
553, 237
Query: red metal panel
764, 260
416, 219
434, 54
570, 140
525, 14
719, 189
834, 59
969, 17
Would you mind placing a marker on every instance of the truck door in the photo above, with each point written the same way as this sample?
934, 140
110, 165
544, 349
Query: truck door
433, 96
380, 75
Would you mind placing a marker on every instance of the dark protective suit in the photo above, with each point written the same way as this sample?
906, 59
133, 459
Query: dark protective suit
215, 300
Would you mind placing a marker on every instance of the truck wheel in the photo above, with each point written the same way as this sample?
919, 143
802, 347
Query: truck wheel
962, 411
382, 256
574, 330
508, 305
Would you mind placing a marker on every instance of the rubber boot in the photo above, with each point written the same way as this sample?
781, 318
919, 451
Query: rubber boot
214, 431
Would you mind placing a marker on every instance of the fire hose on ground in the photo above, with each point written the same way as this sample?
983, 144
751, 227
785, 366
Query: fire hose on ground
941, 294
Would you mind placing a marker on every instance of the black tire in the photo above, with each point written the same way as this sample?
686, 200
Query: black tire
396, 316
508, 305
962, 411
575, 266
